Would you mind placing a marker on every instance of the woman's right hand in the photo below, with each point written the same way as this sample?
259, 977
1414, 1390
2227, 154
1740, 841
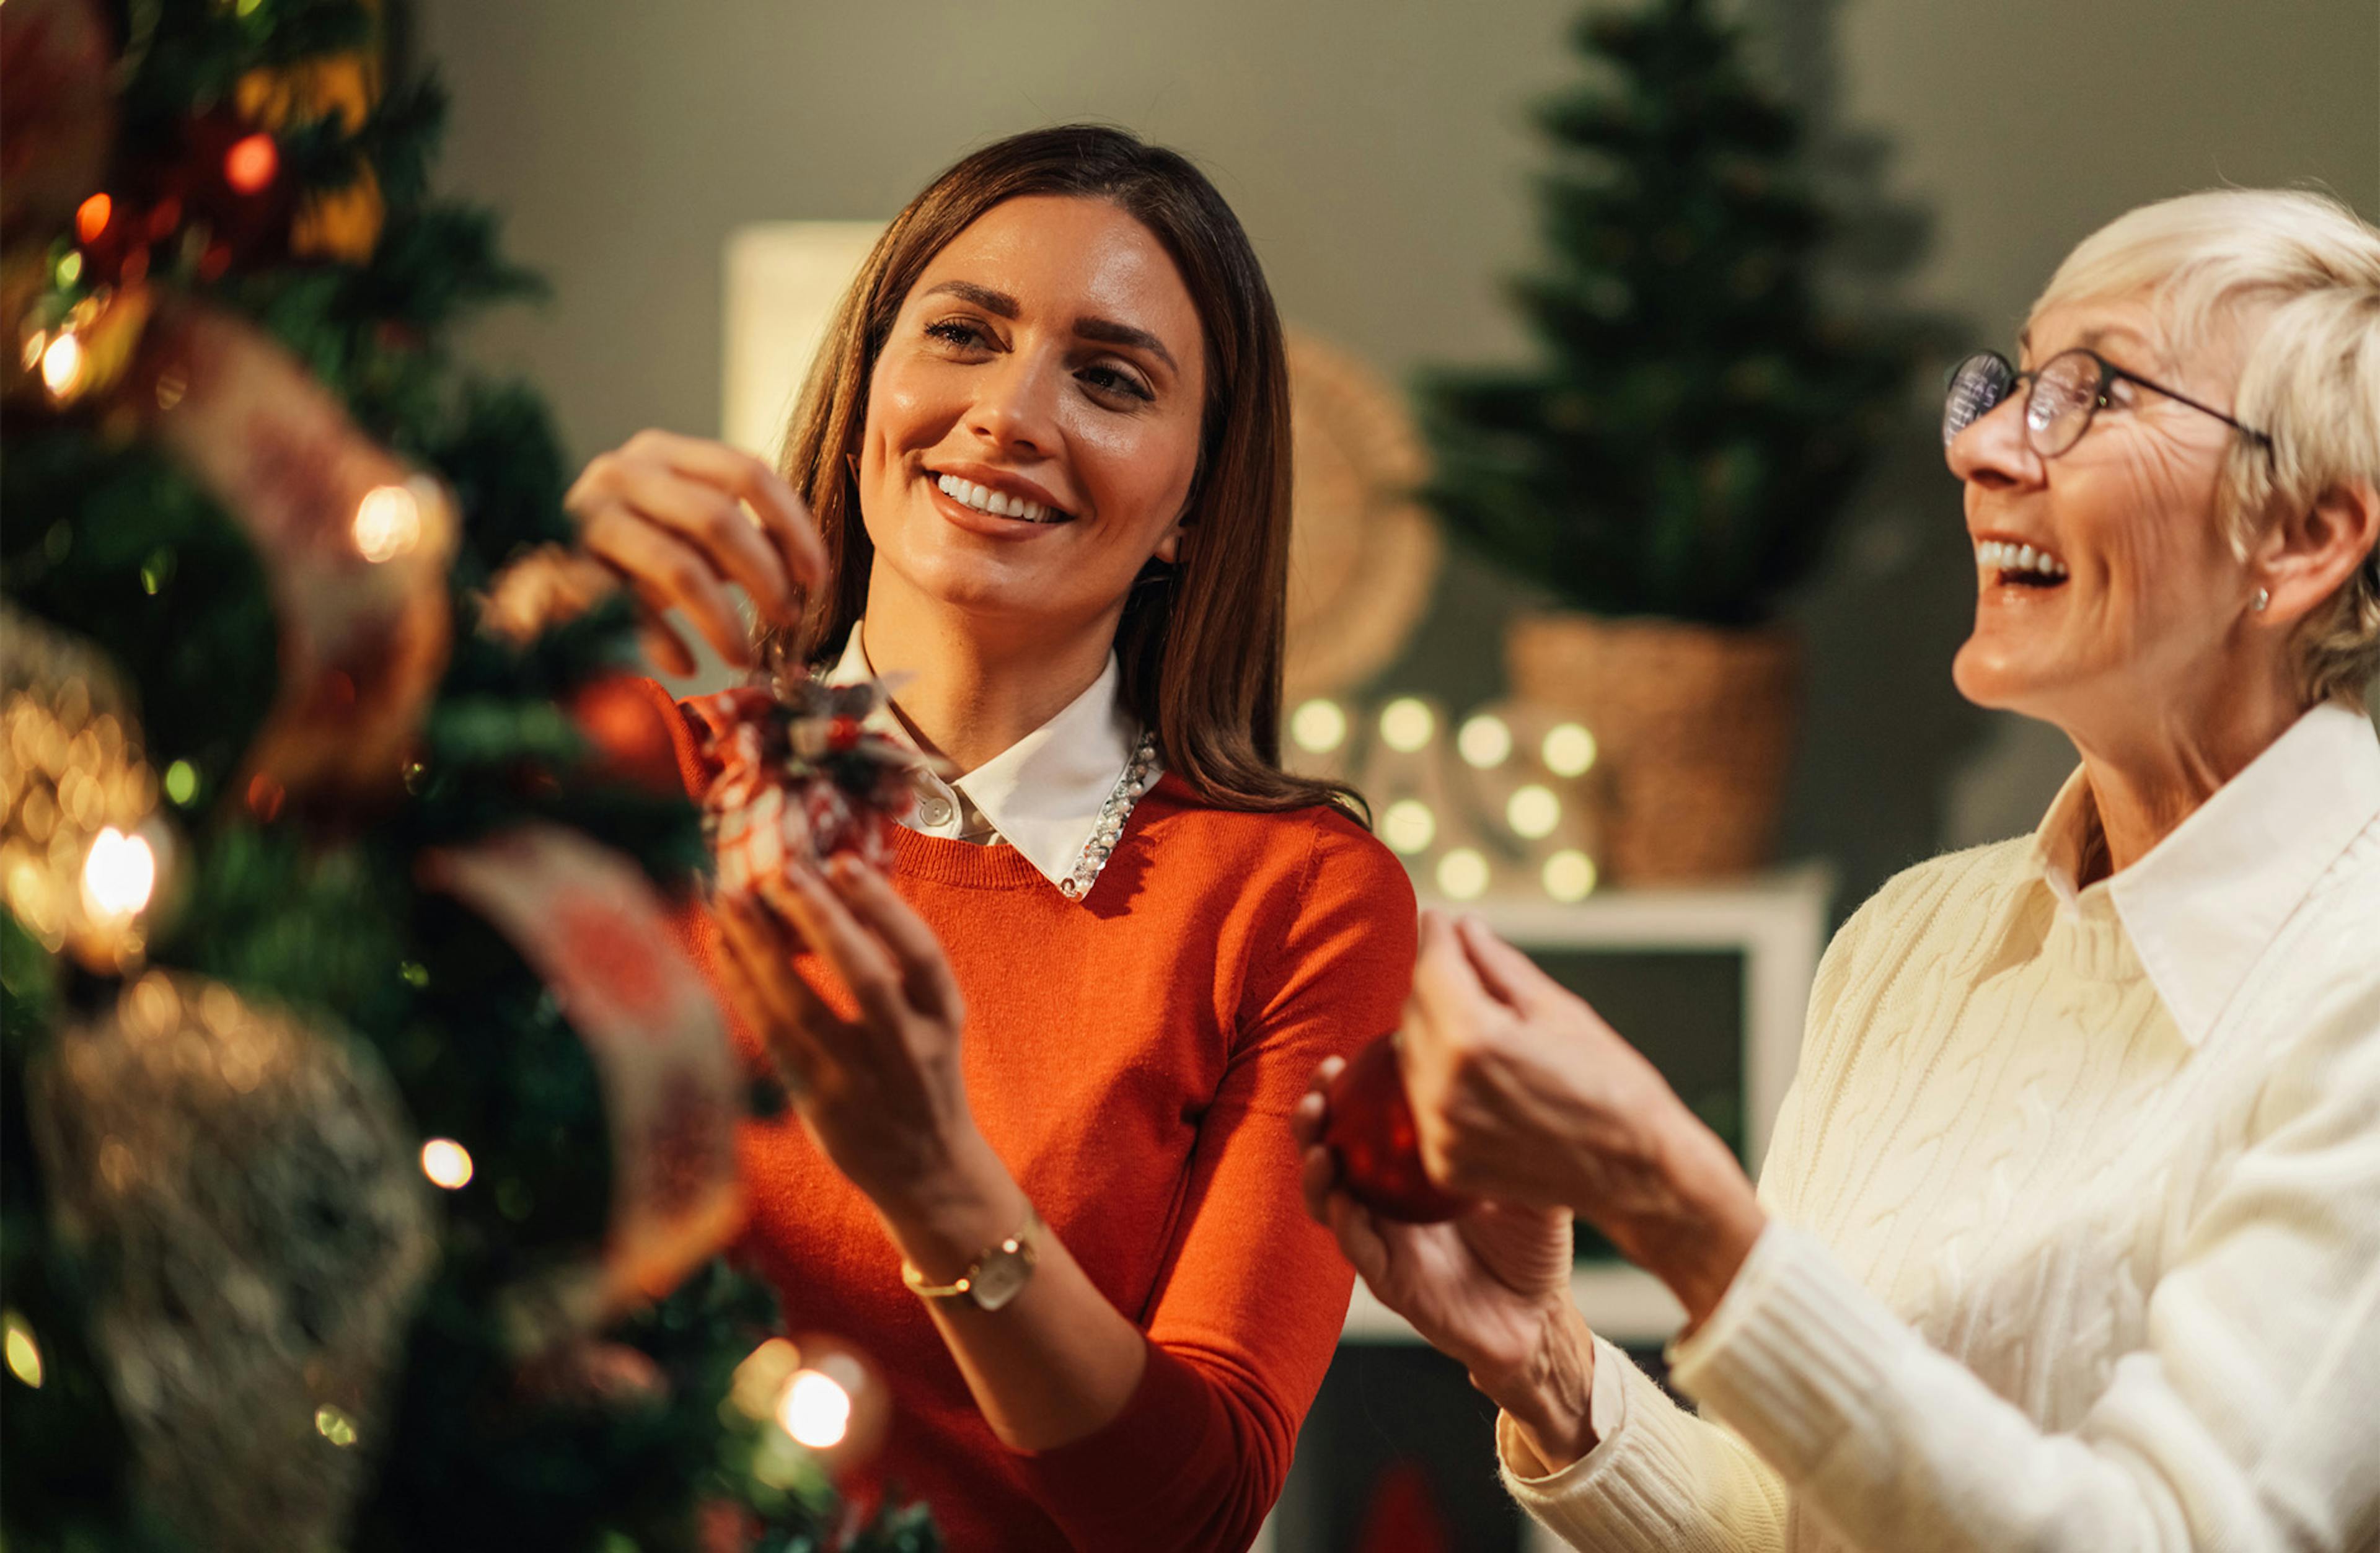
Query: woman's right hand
1489, 1289
684, 521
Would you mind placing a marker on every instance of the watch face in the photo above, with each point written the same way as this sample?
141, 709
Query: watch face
1000, 1277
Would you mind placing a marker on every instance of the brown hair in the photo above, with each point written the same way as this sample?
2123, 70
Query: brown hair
1199, 645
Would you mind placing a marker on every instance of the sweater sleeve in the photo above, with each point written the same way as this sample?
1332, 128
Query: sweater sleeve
1247, 1310
2245, 1422
1660, 1477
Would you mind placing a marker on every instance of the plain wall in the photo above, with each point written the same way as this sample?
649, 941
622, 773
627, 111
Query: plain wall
1380, 154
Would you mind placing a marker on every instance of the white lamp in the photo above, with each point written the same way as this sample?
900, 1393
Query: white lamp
784, 279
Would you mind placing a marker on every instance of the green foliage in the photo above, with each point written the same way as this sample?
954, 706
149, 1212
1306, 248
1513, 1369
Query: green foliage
1699, 411
109, 540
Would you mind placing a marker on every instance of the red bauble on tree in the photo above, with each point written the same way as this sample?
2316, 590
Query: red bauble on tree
1372, 1135
624, 725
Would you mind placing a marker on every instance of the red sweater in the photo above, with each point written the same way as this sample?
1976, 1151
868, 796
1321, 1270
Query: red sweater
1132, 1056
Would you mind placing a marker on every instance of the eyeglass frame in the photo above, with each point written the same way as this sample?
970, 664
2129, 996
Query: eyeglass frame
2108, 373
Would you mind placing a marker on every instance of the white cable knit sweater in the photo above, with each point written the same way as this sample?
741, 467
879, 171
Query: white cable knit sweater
2076, 1212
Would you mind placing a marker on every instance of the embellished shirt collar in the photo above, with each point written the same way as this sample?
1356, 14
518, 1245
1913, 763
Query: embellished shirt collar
2200, 907
1045, 793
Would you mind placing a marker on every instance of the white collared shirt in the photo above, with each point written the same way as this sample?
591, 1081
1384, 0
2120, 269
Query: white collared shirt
1042, 794
2200, 907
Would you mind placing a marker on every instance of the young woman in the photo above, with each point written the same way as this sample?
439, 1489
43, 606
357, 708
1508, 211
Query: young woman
1039, 1165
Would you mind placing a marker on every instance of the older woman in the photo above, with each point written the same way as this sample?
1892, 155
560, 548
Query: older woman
2071, 1233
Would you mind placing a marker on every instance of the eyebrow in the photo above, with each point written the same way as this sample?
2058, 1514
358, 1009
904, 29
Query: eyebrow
1000, 304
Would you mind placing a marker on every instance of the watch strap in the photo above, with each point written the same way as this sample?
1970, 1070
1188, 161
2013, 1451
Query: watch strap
1017, 1248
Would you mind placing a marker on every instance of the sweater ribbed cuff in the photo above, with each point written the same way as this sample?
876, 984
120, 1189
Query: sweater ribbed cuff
1639, 1489
1791, 1356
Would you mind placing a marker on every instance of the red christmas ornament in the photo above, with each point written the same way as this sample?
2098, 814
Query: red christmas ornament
1371, 1133
630, 740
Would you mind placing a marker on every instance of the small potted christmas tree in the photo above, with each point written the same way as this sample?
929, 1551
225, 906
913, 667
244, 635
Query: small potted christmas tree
1672, 463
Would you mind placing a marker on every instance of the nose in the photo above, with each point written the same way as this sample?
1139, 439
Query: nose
1015, 405
1995, 452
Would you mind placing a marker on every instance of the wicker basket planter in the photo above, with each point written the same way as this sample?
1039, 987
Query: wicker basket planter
1696, 728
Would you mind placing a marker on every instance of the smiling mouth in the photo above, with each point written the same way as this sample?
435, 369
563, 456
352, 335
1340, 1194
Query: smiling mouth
2019, 566
997, 503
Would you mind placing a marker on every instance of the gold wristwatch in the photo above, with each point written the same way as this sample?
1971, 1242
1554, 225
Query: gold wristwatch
995, 1277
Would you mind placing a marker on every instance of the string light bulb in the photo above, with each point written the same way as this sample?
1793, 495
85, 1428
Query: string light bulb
1408, 826
1569, 876
1484, 742
1318, 726
816, 1410
1407, 724
1533, 812
388, 523
447, 1163
62, 365
1462, 874
251, 163
119, 875
24, 1354
1569, 750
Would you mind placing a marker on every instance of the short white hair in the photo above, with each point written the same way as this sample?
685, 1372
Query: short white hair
2291, 279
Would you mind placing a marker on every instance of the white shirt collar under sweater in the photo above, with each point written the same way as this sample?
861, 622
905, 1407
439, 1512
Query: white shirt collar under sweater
1042, 794
2204, 902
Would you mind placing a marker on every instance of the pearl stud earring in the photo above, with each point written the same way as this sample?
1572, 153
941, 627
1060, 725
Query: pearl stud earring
2263, 597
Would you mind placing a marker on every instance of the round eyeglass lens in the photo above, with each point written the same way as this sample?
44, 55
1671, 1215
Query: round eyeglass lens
2064, 395
1976, 386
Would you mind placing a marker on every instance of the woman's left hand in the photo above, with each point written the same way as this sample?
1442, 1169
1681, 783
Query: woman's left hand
882, 1091
1522, 1093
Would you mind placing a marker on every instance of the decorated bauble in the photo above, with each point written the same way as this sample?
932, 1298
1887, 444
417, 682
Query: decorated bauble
85, 858
245, 1192
624, 728
1371, 1133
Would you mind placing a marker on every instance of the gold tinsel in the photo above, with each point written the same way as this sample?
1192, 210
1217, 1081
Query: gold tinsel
72, 778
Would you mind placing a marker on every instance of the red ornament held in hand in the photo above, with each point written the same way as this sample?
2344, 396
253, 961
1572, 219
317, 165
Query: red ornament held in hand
1371, 1133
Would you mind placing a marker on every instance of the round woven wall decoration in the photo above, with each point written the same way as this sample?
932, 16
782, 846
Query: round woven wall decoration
1364, 553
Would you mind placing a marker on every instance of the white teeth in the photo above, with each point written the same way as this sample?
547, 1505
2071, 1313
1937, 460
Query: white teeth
984, 499
1999, 555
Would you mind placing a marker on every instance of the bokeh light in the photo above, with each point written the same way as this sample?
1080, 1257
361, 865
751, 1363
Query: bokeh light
388, 523
1406, 724
1484, 742
447, 1163
1569, 750
1408, 826
251, 163
62, 365
1533, 812
816, 1410
1569, 876
24, 1353
1462, 875
1318, 726
119, 874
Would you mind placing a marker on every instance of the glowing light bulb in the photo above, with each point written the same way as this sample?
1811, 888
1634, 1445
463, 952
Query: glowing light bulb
1462, 875
182, 782
1533, 812
1569, 876
119, 874
1484, 742
24, 1353
1318, 726
1406, 724
1408, 826
252, 161
816, 1410
91, 218
69, 269
388, 523
1569, 750
62, 365
447, 1163
334, 1425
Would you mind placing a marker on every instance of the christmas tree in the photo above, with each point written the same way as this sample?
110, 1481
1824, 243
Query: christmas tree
1698, 413
367, 1150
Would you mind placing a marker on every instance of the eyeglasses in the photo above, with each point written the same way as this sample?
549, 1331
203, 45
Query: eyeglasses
2070, 388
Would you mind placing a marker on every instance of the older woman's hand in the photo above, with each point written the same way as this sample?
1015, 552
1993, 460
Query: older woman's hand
1490, 1288
1522, 1094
